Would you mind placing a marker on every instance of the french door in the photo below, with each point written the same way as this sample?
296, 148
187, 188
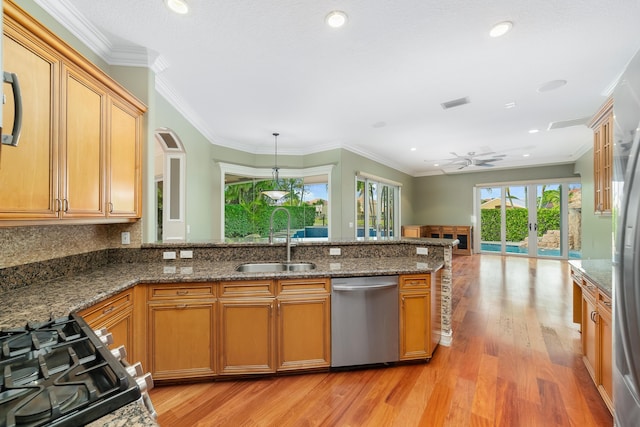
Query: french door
532, 219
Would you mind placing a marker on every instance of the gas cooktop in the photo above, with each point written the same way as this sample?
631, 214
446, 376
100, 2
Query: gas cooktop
59, 373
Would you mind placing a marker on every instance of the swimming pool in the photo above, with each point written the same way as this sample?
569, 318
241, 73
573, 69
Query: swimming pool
516, 249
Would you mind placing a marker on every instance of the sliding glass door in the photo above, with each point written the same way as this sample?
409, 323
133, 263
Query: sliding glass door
533, 219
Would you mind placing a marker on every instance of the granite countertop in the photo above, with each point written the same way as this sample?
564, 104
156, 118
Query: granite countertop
61, 296
600, 271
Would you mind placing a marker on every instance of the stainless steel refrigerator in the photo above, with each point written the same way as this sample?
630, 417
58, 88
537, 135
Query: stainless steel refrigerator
626, 256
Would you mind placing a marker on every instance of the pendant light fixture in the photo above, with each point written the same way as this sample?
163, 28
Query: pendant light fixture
275, 193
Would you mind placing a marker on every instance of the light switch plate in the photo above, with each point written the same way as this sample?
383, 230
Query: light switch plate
169, 255
422, 251
186, 254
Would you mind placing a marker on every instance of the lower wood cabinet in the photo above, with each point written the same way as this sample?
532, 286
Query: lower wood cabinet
181, 332
246, 336
592, 308
246, 327
420, 316
117, 315
303, 324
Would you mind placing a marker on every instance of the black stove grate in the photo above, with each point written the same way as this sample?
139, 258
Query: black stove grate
59, 373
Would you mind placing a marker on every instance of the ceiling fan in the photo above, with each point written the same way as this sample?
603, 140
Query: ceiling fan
473, 159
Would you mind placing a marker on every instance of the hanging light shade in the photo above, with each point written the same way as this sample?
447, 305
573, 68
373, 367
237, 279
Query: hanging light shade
275, 193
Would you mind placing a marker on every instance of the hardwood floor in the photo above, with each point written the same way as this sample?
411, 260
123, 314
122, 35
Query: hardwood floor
514, 361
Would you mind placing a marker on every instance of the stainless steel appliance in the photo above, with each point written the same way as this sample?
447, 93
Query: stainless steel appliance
364, 320
626, 256
61, 373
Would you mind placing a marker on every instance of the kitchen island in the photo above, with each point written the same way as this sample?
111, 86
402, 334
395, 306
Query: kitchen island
119, 270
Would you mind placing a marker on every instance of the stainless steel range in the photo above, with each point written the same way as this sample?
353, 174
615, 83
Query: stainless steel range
60, 373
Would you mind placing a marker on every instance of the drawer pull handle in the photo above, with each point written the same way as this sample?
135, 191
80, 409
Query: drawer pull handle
108, 310
182, 292
181, 306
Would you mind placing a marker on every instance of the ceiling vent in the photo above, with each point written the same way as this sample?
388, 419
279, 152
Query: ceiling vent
568, 123
455, 103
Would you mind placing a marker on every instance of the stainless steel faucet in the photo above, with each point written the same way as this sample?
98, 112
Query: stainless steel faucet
288, 240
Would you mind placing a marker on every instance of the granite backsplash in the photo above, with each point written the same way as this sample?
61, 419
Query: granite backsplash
47, 269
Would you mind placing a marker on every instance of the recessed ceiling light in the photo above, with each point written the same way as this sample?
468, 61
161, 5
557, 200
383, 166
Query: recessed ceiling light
552, 85
178, 6
500, 29
436, 164
534, 130
336, 19
526, 155
413, 148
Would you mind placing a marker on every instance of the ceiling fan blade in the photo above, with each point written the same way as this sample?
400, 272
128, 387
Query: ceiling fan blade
487, 165
495, 159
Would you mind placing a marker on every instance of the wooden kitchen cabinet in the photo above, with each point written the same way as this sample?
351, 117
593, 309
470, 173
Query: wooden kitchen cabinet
602, 125
181, 321
246, 327
29, 172
82, 145
116, 314
419, 316
79, 153
605, 345
303, 324
124, 160
589, 329
597, 339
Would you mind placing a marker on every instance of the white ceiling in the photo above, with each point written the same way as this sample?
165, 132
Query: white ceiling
243, 69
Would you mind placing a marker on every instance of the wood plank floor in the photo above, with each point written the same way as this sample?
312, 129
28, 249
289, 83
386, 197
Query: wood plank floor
514, 361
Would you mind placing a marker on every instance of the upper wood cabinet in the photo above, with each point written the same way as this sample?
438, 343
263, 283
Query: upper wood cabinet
79, 156
602, 125
29, 172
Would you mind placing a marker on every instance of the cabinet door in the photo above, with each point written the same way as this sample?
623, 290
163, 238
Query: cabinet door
606, 363
246, 336
589, 319
82, 148
29, 172
124, 170
415, 325
304, 333
116, 315
182, 339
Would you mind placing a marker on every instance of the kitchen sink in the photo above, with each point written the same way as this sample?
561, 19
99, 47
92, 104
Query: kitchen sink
269, 267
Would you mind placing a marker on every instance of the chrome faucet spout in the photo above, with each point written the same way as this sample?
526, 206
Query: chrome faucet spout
288, 238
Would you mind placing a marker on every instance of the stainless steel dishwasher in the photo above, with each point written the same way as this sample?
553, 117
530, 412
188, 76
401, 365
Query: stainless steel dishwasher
364, 320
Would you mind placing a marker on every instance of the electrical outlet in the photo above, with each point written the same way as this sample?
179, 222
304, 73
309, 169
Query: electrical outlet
186, 254
422, 251
125, 237
169, 255
335, 251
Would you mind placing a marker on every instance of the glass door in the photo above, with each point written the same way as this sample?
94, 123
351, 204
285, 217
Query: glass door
537, 219
491, 200
518, 224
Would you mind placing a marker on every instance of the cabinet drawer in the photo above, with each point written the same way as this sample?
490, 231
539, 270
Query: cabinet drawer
247, 288
589, 288
418, 281
303, 286
183, 290
604, 303
103, 309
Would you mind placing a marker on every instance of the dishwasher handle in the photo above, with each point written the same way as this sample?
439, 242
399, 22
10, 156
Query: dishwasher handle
364, 288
